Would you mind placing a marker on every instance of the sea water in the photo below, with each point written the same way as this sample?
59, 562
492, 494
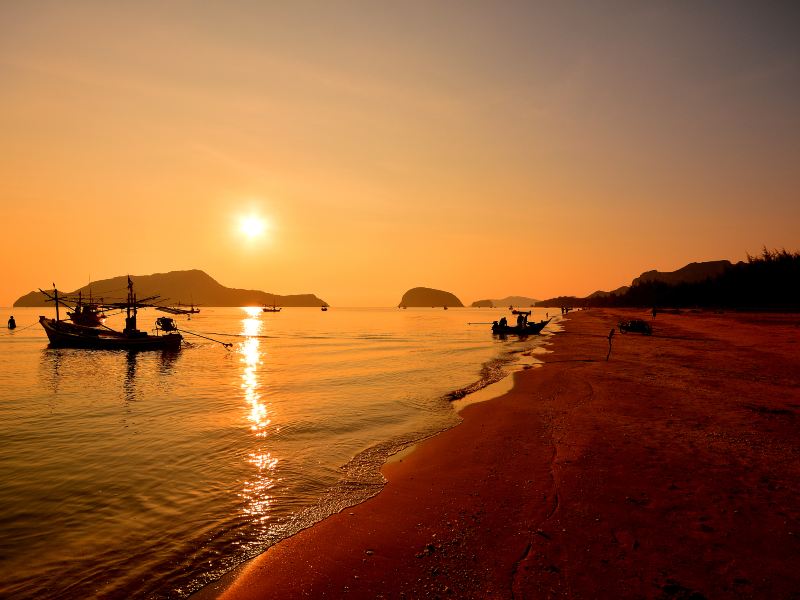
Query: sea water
151, 474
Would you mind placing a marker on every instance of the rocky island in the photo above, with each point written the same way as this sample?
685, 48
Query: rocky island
422, 296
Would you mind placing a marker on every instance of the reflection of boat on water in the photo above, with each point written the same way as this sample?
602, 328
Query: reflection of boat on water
526, 329
72, 335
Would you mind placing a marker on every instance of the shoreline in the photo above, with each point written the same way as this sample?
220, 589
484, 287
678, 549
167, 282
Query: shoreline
647, 475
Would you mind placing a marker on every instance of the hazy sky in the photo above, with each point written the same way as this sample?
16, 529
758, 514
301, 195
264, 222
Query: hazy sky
485, 148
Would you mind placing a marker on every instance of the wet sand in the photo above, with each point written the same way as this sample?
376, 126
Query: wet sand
670, 471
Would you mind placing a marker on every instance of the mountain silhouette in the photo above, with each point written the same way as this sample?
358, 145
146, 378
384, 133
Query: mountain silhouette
521, 301
691, 273
192, 286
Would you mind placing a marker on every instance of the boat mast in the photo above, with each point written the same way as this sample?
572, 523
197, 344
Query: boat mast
130, 322
55, 290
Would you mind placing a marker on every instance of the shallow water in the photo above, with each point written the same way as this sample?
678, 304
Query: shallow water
150, 474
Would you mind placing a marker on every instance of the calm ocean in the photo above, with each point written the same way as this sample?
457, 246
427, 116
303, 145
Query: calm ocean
149, 475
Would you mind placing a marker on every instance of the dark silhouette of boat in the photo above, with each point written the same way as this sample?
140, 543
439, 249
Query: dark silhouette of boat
65, 334
635, 326
179, 309
272, 308
527, 329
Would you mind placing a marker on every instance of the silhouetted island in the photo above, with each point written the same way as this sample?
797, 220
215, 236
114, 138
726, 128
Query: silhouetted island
421, 297
193, 286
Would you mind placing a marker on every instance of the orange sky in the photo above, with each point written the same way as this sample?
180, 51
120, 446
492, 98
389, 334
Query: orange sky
485, 148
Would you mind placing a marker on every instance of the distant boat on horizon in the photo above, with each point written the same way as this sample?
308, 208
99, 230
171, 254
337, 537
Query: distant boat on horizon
179, 309
273, 308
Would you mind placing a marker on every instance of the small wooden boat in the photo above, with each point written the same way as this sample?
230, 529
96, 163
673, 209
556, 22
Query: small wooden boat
179, 309
324, 308
63, 334
273, 308
527, 329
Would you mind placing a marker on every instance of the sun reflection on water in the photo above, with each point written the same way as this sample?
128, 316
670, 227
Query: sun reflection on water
251, 358
255, 491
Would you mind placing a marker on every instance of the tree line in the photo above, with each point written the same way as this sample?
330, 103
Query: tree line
770, 281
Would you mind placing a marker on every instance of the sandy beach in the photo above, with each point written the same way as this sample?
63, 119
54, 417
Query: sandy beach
670, 471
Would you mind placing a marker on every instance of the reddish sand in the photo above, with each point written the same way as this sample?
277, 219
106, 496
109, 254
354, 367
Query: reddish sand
670, 471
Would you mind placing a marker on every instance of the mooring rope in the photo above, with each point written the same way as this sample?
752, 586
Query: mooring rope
226, 344
244, 335
12, 331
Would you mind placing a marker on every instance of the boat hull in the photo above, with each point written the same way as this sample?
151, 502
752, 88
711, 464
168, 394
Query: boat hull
68, 335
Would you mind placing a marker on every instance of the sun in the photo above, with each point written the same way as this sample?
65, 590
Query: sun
252, 226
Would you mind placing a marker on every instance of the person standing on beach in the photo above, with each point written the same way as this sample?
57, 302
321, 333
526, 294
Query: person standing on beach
12, 324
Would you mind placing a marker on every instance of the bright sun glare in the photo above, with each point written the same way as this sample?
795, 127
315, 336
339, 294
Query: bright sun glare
252, 226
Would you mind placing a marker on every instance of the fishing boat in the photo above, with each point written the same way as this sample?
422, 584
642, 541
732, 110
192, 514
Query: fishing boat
179, 309
65, 334
526, 329
273, 308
